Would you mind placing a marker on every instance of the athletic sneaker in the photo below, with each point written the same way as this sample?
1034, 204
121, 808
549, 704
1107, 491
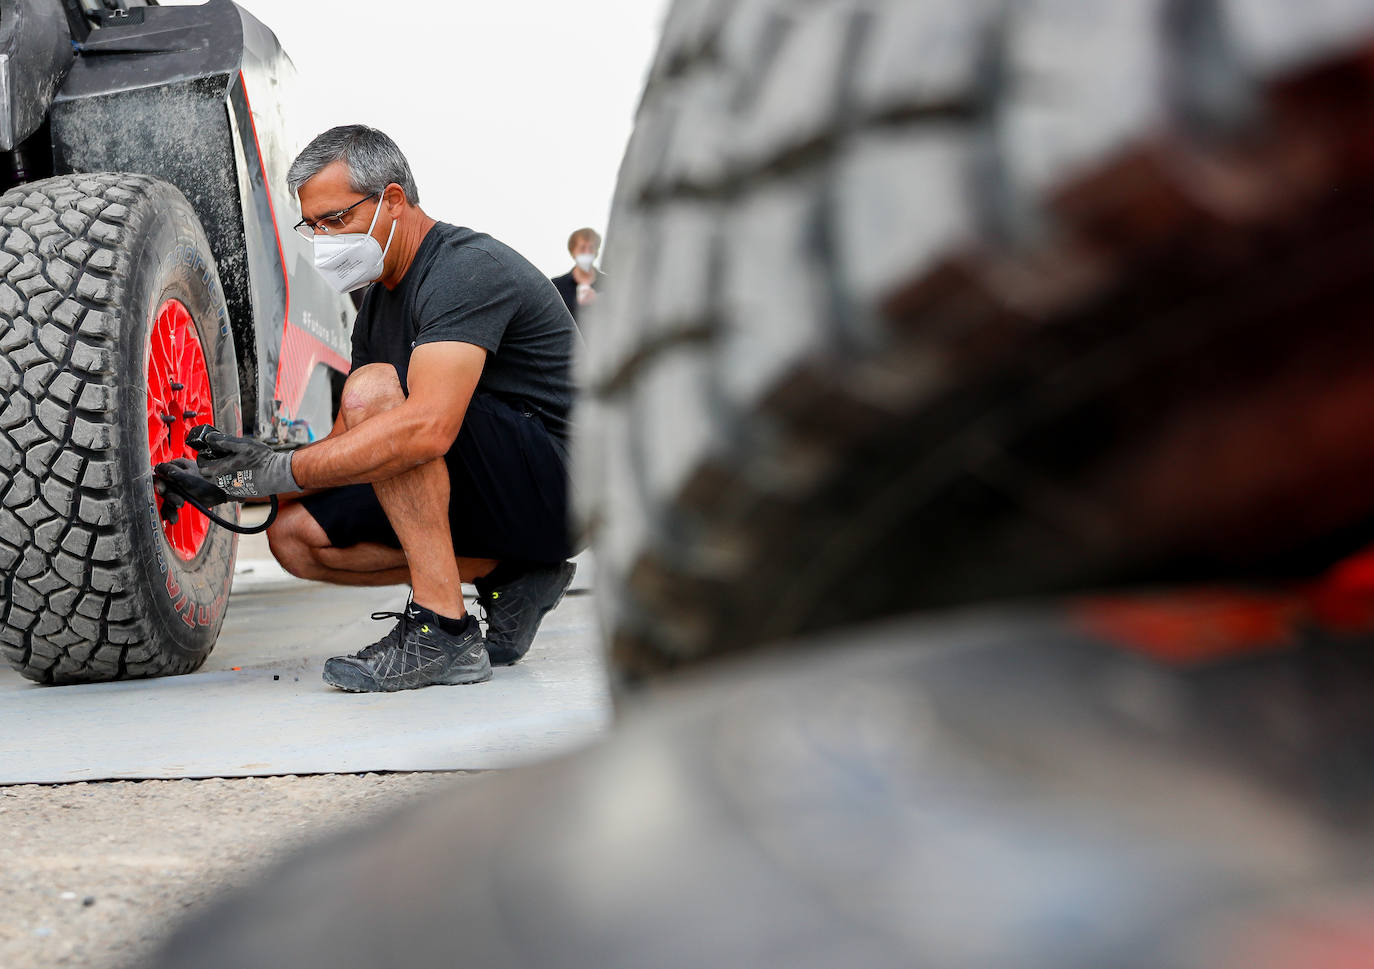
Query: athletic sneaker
415, 653
516, 607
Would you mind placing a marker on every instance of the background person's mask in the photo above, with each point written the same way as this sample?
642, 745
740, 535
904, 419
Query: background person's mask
350, 260
584, 261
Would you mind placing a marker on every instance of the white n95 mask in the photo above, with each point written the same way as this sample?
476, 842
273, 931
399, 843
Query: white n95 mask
350, 260
584, 261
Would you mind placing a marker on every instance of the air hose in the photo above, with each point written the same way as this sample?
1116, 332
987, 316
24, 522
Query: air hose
171, 484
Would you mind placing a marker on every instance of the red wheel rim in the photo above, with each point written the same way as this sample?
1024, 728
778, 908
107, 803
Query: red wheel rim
179, 399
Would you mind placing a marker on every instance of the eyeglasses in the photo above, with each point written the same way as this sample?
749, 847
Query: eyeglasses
329, 223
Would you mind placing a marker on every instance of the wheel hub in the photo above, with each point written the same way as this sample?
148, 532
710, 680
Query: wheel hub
179, 398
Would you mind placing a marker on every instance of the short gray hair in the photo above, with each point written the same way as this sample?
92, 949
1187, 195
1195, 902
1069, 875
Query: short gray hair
373, 161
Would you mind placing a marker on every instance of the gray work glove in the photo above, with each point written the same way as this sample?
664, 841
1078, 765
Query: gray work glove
175, 479
243, 467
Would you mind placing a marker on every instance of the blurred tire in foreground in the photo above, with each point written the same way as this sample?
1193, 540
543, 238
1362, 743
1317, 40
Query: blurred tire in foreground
920, 303
986, 791
923, 303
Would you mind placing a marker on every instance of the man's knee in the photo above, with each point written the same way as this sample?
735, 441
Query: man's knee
369, 391
290, 540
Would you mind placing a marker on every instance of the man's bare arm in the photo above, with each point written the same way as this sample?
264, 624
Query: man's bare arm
442, 379
286, 496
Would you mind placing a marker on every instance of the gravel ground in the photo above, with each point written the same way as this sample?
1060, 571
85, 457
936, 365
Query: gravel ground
95, 875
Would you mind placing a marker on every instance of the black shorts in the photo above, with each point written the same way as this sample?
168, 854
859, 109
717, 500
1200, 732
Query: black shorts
508, 492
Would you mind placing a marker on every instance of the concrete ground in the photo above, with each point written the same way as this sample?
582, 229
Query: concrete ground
259, 707
93, 874
96, 875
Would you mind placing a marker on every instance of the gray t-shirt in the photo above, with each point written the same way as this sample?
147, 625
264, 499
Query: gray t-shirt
466, 287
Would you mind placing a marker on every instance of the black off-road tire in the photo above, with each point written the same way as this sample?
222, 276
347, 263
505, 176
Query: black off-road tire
989, 791
89, 587
927, 301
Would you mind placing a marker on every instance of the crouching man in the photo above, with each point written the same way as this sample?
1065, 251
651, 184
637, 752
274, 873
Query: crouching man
448, 461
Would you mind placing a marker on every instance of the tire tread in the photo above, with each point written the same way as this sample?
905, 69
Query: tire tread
826, 213
59, 389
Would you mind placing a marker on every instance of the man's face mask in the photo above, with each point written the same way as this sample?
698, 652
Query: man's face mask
350, 260
584, 260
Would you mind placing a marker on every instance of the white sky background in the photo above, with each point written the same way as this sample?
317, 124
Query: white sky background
514, 114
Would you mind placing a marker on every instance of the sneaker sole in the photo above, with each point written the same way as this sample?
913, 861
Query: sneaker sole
459, 676
444, 682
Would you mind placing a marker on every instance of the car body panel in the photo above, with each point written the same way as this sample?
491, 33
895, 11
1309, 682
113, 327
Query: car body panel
201, 96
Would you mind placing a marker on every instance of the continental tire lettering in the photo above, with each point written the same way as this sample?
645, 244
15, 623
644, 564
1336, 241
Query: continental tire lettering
216, 608
157, 546
191, 613
191, 257
187, 610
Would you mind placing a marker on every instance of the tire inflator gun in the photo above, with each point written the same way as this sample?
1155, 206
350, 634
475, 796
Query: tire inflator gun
186, 483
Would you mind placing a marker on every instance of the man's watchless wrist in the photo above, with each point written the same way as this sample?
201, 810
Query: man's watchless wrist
291, 470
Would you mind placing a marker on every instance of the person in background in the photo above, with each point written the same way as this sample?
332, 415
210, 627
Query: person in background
579, 287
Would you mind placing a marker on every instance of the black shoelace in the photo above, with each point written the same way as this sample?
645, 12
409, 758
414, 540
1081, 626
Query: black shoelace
403, 618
